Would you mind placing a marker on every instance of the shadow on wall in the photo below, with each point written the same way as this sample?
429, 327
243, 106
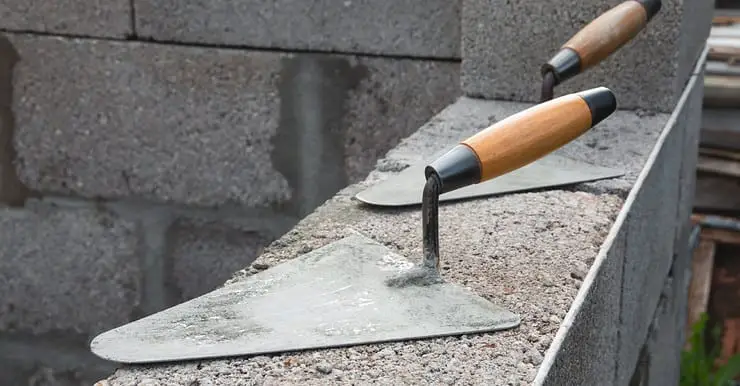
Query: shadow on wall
309, 145
12, 190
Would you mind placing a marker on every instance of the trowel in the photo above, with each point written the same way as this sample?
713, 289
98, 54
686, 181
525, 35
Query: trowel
587, 48
356, 291
596, 41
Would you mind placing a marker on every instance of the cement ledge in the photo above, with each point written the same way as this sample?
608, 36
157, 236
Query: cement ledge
529, 245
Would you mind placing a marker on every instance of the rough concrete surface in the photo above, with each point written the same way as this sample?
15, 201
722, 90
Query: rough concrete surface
528, 252
389, 27
593, 332
654, 212
197, 126
205, 254
667, 332
690, 152
648, 73
66, 269
109, 18
49, 361
392, 102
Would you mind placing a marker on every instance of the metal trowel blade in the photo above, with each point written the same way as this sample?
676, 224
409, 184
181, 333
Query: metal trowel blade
334, 296
550, 171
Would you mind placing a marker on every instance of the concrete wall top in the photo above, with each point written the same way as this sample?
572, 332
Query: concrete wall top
504, 44
530, 244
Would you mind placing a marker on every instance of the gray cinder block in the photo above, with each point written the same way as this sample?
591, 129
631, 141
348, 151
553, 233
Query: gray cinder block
109, 18
428, 28
649, 73
666, 334
528, 253
206, 253
66, 269
692, 115
653, 213
107, 119
592, 325
210, 127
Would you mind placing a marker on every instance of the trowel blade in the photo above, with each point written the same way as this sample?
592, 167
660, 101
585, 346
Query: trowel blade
550, 171
334, 296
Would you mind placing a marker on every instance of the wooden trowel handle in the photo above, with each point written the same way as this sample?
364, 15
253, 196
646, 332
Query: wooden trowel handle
602, 37
522, 138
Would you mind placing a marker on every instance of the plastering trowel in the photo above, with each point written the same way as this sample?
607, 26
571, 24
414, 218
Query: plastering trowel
356, 291
596, 41
587, 48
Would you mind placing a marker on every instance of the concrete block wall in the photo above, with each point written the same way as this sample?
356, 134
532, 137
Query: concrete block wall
148, 150
595, 270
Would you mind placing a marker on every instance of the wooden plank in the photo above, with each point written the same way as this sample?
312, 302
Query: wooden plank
726, 10
721, 119
720, 153
725, 31
700, 217
714, 67
720, 128
723, 50
730, 344
715, 193
721, 236
721, 90
702, 265
720, 139
723, 42
718, 166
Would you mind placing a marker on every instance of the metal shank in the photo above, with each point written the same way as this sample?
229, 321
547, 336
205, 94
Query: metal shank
426, 273
548, 85
430, 222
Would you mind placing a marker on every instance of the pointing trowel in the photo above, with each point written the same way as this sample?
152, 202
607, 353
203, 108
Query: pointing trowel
587, 48
356, 291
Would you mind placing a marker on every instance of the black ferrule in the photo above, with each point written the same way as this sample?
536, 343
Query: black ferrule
456, 169
601, 102
564, 65
652, 7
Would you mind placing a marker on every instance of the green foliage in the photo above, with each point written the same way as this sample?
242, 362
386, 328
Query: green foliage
698, 363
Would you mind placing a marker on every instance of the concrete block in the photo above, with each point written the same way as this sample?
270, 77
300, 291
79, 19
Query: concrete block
529, 251
66, 269
210, 127
61, 360
205, 254
109, 18
408, 28
394, 100
593, 318
108, 119
648, 73
649, 256
666, 337
691, 115
653, 212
